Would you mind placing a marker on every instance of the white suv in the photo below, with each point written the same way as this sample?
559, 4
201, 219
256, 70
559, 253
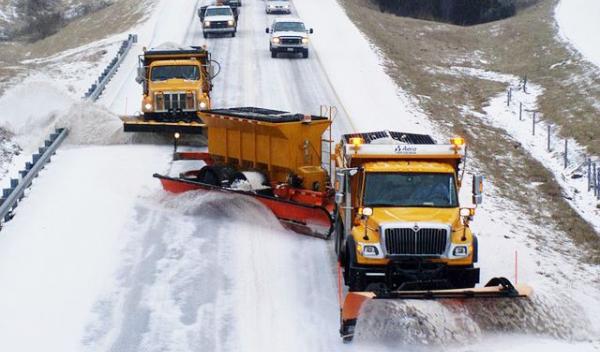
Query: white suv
278, 6
218, 20
288, 36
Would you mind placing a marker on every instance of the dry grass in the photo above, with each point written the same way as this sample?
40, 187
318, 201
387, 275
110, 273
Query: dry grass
120, 16
521, 45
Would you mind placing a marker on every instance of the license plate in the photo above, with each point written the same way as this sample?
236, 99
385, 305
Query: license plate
290, 49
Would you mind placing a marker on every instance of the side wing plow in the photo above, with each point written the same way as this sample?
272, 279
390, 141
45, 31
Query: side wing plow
496, 288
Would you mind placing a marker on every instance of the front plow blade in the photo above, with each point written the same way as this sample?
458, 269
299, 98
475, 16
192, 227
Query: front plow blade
494, 289
139, 124
310, 220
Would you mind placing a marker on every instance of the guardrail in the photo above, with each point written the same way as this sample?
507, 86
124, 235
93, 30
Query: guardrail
97, 87
12, 196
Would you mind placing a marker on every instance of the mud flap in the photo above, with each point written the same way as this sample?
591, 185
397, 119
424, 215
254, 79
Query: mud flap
310, 220
496, 288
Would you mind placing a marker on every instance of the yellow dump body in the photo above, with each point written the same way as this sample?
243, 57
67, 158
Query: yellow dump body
277, 143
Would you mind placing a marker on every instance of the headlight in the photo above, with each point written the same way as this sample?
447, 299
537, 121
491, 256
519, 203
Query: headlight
460, 251
304, 40
202, 105
230, 22
276, 40
370, 250
148, 107
206, 23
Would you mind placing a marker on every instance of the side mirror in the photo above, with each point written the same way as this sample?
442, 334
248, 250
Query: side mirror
141, 75
367, 212
211, 71
477, 190
267, 30
310, 31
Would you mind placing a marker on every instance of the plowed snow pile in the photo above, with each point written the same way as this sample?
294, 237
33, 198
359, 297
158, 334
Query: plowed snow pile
456, 322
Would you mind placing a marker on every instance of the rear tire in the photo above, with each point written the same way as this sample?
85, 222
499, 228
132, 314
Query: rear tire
216, 175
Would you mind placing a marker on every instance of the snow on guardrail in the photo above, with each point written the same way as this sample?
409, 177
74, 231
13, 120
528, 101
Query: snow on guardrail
12, 196
98, 87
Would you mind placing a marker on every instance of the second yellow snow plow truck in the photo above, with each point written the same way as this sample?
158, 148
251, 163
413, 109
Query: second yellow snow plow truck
400, 231
176, 86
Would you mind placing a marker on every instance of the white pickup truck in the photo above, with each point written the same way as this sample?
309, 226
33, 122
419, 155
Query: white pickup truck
218, 20
288, 35
278, 6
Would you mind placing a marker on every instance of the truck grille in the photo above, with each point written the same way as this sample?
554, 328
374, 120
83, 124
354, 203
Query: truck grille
219, 24
407, 241
174, 102
291, 41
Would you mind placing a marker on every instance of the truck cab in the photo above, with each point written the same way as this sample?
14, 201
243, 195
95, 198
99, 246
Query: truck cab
176, 83
399, 224
288, 35
218, 20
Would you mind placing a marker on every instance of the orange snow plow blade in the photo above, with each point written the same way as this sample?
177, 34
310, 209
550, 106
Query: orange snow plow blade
494, 289
311, 220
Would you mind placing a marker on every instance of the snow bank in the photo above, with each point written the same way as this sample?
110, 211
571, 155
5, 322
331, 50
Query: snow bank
578, 20
31, 109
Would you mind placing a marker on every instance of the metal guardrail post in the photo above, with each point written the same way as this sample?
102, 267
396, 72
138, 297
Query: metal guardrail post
11, 196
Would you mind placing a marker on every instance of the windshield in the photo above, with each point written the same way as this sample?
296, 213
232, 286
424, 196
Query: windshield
410, 190
223, 11
289, 27
163, 73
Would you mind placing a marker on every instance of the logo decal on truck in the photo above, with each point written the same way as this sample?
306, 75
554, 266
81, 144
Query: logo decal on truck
405, 149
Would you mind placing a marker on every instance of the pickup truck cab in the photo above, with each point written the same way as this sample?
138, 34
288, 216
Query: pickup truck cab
288, 35
218, 20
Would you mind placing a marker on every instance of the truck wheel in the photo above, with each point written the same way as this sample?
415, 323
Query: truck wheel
216, 175
205, 35
305, 53
232, 34
273, 54
339, 239
351, 279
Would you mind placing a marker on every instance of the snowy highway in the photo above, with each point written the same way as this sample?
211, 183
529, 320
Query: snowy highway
105, 260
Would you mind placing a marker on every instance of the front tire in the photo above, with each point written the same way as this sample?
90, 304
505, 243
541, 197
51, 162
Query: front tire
273, 54
232, 34
351, 278
205, 35
305, 53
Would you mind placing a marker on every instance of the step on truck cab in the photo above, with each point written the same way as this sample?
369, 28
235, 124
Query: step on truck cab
399, 224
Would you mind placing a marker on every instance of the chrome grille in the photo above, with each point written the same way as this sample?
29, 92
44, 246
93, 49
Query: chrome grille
175, 101
424, 241
219, 24
291, 41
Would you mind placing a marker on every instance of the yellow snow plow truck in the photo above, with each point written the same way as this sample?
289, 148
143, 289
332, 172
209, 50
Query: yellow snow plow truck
400, 231
176, 86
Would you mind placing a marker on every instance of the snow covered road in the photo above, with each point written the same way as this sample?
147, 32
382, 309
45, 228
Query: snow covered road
104, 260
